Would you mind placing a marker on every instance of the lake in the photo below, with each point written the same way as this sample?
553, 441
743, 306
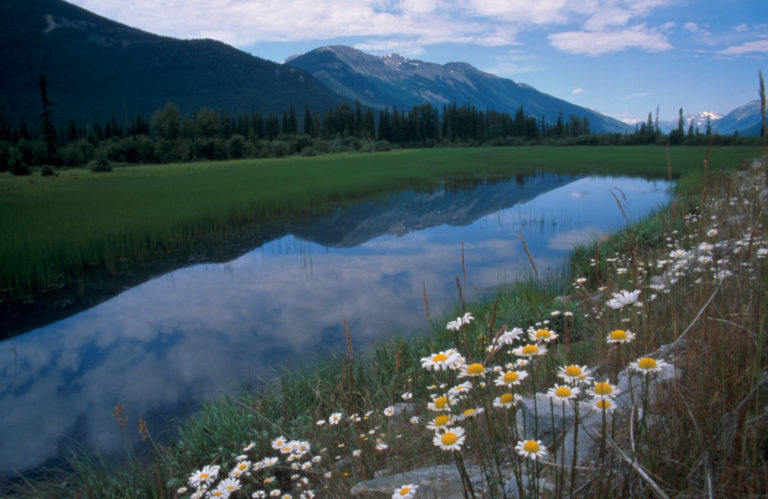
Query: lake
208, 329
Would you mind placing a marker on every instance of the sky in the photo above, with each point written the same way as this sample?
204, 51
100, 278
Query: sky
623, 58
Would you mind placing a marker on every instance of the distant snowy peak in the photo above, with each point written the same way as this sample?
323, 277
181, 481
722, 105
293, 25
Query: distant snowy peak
394, 60
700, 119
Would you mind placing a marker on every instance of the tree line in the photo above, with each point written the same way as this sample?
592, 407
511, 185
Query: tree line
168, 136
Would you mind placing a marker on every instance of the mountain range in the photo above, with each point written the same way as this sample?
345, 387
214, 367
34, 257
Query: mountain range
393, 80
97, 70
746, 119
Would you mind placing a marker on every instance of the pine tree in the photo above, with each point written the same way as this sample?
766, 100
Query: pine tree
47, 129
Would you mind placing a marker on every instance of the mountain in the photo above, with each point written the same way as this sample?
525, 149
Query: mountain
393, 80
699, 120
96, 68
746, 119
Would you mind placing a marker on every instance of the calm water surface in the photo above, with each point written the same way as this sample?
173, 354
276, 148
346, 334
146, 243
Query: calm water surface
203, 331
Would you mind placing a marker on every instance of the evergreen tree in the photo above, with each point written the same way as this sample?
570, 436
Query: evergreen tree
47, 129
309, 122
166, 123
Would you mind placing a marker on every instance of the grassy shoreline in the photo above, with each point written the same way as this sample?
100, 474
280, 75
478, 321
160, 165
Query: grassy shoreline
721, 361
58, 228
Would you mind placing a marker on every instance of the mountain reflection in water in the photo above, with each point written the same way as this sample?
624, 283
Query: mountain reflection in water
206, 330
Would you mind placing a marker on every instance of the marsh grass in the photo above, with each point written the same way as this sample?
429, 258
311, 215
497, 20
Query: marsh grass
701, 266
55, 229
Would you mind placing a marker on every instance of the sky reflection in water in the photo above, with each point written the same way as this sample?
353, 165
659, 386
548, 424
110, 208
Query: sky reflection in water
202, 331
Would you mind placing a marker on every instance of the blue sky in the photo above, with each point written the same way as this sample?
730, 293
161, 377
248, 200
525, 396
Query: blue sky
623, 58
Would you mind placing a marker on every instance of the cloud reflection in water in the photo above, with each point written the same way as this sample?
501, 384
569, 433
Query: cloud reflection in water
202, 331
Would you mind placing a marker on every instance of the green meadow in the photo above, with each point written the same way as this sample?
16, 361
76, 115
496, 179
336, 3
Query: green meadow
57, 228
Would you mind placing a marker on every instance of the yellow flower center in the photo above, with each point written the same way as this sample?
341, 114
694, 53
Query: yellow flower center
603, 404
441, 357
475, 368
603, 388
530, 350
543, 333
204, 476
563, 391
646, 363
404, 491
573, 371
531, 446
441, 402
449, 438
619, 334
442, 420
511, 377
506, 398
469, 412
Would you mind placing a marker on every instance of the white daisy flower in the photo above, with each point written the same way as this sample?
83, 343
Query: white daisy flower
530, 351
603, 404
603, 390
471, 413
507, 400
542, 335
405, 491
279, 442
620, 336
511, 378
334, 418
441, 361
204, 476
647, 365
623, 298
449, 439
440, 422
472, 370
532, 449
563, 392
574, 374
442, 403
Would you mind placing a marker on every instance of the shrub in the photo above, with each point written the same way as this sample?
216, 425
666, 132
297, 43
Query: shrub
47, 171
16, 163
308, 151
100, 163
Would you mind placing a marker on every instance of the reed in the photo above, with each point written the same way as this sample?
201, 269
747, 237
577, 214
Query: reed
699, 271
55, 229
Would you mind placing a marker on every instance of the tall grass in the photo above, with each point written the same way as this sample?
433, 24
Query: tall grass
700, 268
57, 228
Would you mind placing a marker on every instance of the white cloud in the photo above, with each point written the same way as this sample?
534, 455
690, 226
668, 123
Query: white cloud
577, 91
424, 22
692, 27
741, 28
594, 43
746, 48
400, 46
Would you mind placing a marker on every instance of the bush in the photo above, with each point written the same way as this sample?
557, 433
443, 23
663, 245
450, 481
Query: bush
236, 147
16, 163
47, 171
308, 151
76, 153
100, 163
279, 148
5, 148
